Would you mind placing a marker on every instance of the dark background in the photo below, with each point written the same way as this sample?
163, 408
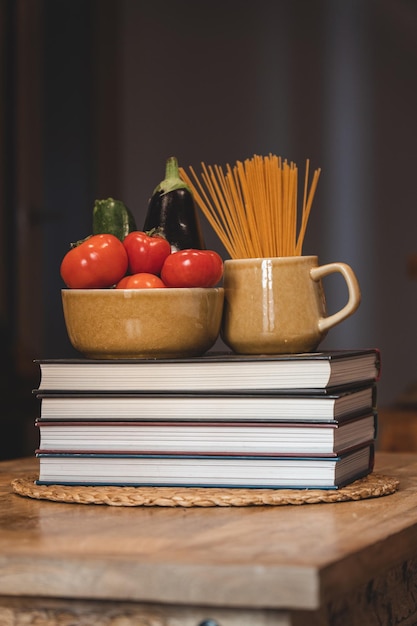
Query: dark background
96, 94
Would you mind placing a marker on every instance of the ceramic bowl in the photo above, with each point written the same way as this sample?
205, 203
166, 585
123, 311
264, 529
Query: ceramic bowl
142, 323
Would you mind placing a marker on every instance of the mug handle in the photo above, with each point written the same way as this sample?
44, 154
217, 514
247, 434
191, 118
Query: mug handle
354, 299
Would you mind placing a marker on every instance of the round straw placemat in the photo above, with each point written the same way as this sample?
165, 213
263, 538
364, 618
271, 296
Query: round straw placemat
371, 486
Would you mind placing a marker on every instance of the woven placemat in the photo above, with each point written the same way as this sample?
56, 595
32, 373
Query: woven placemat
372, 486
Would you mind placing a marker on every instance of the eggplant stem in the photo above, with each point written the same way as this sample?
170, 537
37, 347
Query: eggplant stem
172, 178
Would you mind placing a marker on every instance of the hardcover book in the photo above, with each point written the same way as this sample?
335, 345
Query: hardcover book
335, 405
213, 372
206, 470
206, 437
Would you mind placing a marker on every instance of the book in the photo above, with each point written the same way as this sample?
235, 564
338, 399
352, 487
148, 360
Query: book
213, 372
337, 405
174, 470
206, 437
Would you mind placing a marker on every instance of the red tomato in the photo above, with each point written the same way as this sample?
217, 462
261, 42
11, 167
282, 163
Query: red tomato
143, 280
123, 282
146, 253
99, 261
192, 268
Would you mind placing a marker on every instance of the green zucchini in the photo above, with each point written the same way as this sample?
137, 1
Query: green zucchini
112, 217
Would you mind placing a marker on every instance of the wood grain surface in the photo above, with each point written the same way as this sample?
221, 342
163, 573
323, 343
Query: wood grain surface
308, 558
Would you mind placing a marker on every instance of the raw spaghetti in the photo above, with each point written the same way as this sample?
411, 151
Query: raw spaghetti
252, 206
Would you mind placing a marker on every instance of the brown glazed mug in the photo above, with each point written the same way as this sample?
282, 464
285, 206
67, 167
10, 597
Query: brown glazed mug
277, 305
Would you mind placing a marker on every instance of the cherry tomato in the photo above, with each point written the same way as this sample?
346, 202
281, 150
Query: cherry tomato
142, 280
99, 261
146, 253
192, 268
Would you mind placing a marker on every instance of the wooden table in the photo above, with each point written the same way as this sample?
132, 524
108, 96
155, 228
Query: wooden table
397, 429
348, 563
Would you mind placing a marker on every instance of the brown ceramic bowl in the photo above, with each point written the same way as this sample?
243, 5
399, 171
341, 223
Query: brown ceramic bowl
142, 323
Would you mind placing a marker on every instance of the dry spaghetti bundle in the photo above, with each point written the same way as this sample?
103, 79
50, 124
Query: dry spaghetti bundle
253, 206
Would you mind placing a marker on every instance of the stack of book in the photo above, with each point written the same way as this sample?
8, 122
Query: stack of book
221, 420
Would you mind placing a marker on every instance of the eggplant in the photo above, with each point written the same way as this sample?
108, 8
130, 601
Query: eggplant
172, 212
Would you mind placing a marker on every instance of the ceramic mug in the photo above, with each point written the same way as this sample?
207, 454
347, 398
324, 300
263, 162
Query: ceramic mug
277, 305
